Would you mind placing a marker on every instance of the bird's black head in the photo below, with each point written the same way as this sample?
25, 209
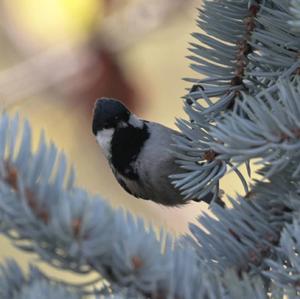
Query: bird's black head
108, 113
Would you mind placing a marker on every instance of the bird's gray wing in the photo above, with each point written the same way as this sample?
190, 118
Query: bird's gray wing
157, 163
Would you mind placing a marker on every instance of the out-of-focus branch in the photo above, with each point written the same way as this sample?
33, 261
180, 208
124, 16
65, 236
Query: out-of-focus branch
48, 69
61, 66
126, 27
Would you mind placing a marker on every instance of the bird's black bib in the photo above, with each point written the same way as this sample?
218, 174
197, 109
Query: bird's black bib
126, 145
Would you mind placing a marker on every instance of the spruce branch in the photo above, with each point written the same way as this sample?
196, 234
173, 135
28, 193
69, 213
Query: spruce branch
244, 237
15, 285
275, 46
222, 53
42, 211
241, 237
268, 52
285, 269
68, 228
295, 10
222, 56
194, 154
270, 131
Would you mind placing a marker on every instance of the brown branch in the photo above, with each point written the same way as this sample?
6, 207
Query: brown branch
41, 213
210, 155
137, 262
244, 49
11, 180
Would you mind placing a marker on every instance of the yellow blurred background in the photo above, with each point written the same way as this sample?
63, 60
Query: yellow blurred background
58, 56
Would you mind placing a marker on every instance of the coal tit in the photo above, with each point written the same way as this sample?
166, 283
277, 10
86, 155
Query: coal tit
138, 153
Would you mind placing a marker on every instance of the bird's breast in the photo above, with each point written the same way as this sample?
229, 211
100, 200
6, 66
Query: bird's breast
126, 145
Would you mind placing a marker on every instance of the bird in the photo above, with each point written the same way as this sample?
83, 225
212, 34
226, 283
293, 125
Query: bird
139, 153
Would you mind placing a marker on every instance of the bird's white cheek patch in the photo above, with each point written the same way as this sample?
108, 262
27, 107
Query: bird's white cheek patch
135, 121
104, 138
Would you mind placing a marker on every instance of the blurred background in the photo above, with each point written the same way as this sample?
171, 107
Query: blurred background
58, 56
